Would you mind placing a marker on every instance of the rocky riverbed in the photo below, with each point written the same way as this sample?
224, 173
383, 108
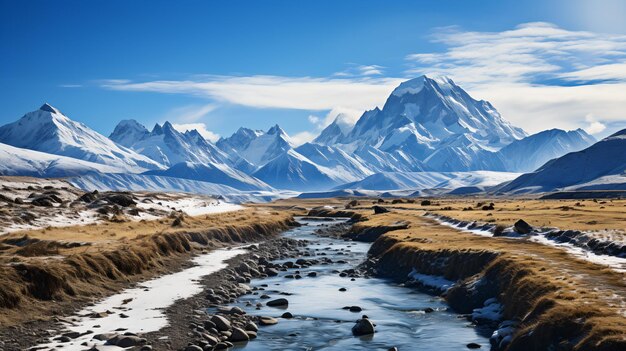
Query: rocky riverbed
305, 290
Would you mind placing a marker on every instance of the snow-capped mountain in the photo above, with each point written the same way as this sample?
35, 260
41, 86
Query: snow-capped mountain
436, 122
188, 155
344, 166
23, 162
602, 166
167, 145
218, 173
293, 171
48, 130
532, 152
333, 133
256, 146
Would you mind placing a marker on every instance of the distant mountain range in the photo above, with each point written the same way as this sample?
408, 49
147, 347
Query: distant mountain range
430, 132
601, 166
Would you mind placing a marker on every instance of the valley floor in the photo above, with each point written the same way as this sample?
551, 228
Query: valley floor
546, 297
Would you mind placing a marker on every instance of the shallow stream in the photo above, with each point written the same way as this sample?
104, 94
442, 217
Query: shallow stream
316, 303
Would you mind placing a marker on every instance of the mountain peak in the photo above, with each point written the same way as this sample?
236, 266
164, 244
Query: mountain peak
416, 85
49, 108
167, 126
276, 130
157, 130
127, 132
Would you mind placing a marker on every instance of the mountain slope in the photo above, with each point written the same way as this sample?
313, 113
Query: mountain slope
257, 147
213, 173
432, 110
346, 167
534, 151
23, 162
295, 172
48, 130
605, 158
429, 180
427, 124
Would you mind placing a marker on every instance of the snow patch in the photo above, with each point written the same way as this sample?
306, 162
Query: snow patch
148, 301
431, 281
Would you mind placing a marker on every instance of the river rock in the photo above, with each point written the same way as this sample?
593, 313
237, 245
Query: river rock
363, 327
72, 334
522, 227
128, 341
193, 348
267, 321
379, 210
239, 335
355, 309
271, 272
221, 323
278, 302
473, 345
287, 315
250, 326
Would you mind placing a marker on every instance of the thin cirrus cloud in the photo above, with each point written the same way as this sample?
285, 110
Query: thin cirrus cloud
538, 75
350, 96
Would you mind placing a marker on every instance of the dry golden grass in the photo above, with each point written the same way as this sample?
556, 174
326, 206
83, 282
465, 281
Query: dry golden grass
566, 214
49, 275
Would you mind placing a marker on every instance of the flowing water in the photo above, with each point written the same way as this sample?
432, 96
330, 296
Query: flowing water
320, 323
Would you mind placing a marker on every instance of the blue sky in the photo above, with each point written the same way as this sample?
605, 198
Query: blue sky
228, 64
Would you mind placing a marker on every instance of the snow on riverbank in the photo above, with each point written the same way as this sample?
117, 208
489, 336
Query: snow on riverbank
618, 264
431, 281
143, 307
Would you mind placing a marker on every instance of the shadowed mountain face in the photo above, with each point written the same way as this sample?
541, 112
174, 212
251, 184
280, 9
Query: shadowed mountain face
601, 166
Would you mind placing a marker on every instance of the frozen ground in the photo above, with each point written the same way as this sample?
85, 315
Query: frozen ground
33, 203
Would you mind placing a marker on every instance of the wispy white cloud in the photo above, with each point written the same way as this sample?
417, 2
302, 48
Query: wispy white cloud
527, 53
608, 72
200, 127
594, 126
528, 73
303, 93
302, 137
355, 70
347, 96
70, 86
189, 113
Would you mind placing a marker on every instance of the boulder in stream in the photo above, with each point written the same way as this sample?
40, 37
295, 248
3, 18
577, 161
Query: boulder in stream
363, 327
